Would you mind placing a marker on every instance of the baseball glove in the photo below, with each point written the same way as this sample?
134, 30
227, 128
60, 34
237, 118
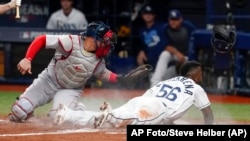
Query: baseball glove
136, 74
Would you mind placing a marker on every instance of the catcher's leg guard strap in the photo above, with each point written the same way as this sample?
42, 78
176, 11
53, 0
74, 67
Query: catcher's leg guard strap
21, 110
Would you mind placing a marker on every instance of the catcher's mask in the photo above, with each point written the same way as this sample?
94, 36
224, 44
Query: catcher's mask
102, 33
223, 39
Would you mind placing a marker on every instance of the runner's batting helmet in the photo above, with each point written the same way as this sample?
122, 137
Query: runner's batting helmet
223, 39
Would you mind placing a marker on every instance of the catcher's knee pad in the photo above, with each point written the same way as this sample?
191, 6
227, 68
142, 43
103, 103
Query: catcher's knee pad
21, 110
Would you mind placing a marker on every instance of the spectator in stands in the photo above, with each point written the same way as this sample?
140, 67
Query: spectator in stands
67, 18
8, 6
153, 42
177, 32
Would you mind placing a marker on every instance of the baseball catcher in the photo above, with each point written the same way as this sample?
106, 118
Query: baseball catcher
223, 39
76, 59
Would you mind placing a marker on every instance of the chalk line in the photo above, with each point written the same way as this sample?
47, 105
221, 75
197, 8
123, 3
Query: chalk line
59, 132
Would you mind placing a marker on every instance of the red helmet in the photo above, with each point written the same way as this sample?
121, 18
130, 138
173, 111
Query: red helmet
223, 39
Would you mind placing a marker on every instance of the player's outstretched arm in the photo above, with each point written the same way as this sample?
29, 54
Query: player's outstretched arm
208, 115
24, 66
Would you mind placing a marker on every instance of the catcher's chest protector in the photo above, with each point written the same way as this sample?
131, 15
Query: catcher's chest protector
77, 68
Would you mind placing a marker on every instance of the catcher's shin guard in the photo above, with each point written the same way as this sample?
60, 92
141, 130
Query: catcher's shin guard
21, 110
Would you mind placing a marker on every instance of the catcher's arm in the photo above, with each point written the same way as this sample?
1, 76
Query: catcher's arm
24, 66
136, 74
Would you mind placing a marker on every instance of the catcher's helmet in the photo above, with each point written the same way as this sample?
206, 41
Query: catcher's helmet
223, 39
100, 32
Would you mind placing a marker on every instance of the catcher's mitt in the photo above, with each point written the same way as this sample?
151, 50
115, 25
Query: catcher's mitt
136, 74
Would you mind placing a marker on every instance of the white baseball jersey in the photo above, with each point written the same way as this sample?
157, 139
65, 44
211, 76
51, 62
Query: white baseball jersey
163, 103
179, 94
76, 20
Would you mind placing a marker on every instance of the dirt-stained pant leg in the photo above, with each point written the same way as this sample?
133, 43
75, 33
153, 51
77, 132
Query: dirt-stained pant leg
139, 110
84, 118
69, 98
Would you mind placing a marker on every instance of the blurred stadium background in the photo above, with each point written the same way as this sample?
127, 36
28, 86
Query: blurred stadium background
230, 76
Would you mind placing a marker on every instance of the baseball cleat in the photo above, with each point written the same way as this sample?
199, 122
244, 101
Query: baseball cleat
106, 109
60, 114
